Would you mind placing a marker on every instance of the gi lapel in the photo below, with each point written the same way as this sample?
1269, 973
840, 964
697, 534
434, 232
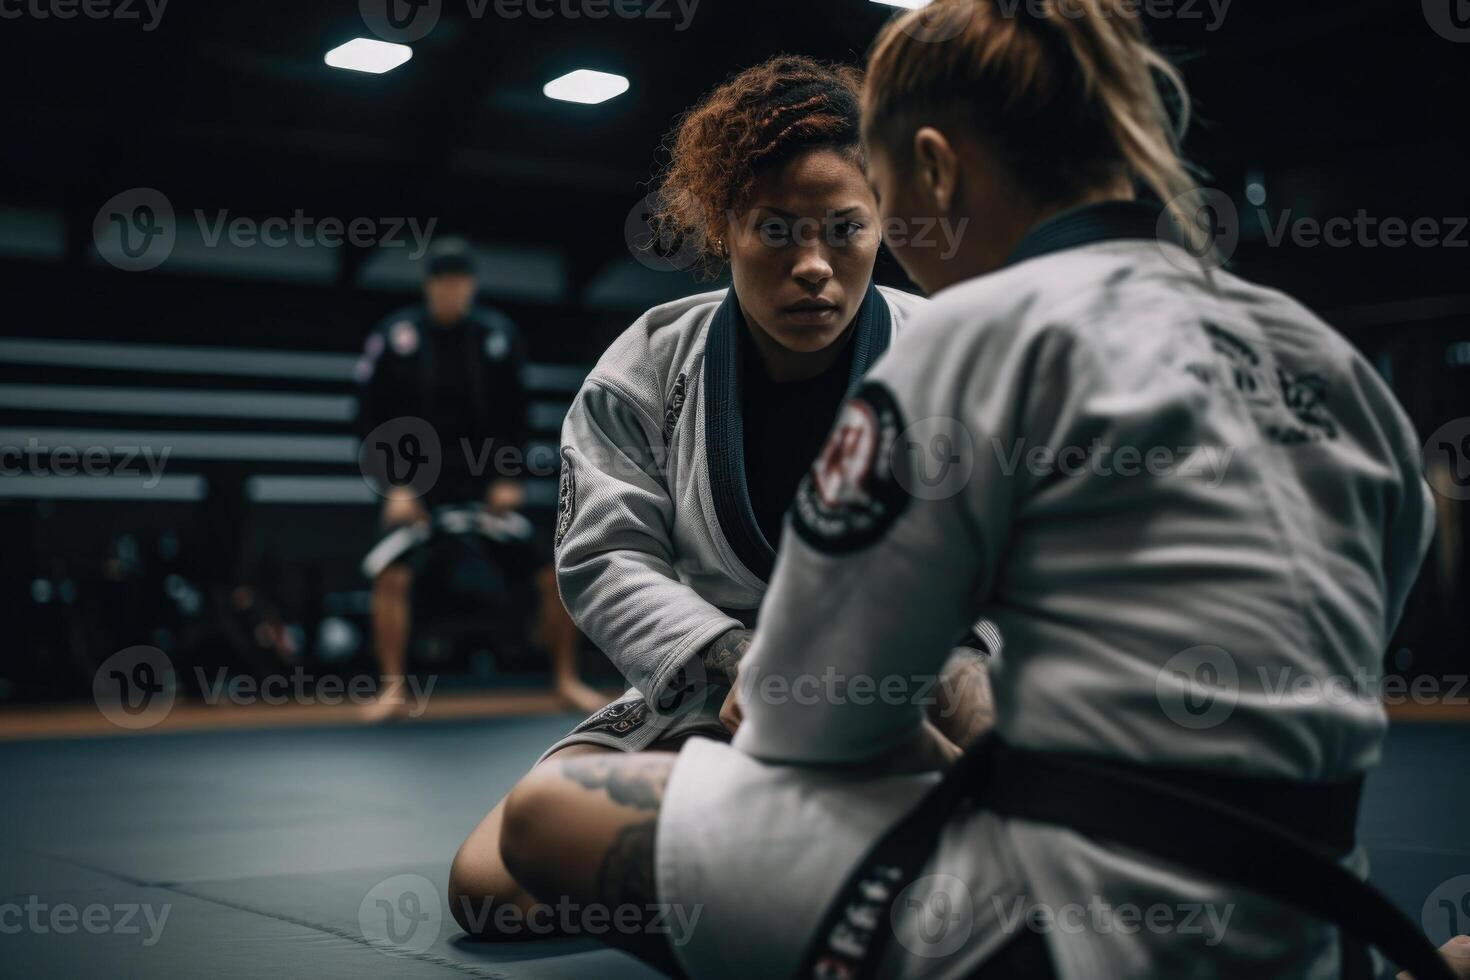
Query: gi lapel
724, 432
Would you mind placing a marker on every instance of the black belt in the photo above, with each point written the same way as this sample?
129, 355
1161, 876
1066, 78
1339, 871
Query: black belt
1279, 838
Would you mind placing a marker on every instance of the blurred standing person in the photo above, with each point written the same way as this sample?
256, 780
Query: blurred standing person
454, 368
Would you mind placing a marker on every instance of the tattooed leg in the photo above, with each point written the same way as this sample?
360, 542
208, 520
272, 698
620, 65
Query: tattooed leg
582, 831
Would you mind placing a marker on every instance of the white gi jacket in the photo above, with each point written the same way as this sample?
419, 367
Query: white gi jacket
657, 549
1179, 501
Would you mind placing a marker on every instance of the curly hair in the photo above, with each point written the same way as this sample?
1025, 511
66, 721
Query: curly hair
760, 118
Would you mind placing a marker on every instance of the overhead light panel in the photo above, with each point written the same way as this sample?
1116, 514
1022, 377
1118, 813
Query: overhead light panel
905, 4
369, 55
586, 86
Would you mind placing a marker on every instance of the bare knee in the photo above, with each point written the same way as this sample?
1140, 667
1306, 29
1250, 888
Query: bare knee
480, 889
527, 836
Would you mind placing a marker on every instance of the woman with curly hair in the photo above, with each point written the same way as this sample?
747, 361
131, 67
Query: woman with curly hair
684, 448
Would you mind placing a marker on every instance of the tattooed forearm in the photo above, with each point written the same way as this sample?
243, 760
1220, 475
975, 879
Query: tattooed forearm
722, 657
628, 783
627, 876
963, 708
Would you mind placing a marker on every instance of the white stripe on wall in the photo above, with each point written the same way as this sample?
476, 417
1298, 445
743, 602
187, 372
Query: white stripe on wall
142, 487
193, 402
234, 361
191, 445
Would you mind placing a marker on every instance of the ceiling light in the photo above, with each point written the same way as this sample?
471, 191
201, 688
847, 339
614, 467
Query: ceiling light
905, 4
366, 54
586, 86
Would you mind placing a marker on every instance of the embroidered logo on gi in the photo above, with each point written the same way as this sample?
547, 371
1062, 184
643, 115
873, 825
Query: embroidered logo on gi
619, 719
404, 337
566, 498
1290, 412
497, 345
852, 495
675, 407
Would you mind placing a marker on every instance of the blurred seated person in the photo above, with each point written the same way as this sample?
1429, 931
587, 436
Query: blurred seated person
440, 397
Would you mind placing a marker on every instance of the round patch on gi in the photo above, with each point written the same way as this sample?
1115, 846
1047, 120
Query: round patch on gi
566, 499
404, 337
497, 345
851, 496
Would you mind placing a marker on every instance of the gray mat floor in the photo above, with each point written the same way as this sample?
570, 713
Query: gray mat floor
283, 853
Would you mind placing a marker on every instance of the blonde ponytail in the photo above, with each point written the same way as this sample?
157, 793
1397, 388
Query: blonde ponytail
1067, 91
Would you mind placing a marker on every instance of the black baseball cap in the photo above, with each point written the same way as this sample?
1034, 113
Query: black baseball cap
450, 259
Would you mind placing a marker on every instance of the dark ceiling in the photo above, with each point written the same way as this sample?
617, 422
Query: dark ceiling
1339, 105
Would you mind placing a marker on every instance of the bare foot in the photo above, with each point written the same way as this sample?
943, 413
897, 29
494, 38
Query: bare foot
580, 696
391, 704
1456, 954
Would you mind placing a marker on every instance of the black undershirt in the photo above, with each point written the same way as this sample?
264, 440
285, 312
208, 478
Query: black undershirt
786, 424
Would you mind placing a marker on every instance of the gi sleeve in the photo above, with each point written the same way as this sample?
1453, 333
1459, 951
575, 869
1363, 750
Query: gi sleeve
375, 394
614, 553
504, 354
891, 548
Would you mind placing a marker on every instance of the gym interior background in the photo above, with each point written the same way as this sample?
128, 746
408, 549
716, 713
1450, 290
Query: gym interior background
233, 354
